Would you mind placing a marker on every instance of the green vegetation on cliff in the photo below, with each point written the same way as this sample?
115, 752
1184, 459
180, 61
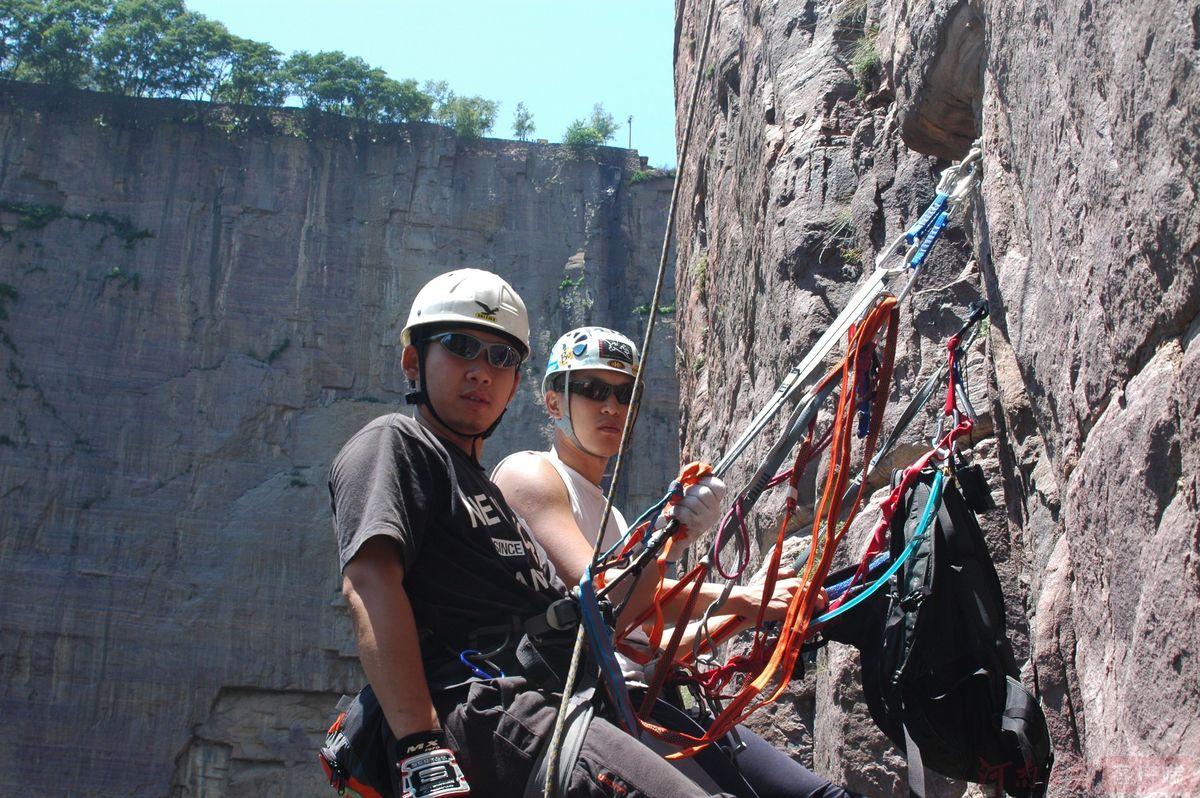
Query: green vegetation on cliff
32, 216
584, 133
158, 48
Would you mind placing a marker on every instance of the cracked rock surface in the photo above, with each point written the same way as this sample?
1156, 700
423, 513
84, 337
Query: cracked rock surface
820, 131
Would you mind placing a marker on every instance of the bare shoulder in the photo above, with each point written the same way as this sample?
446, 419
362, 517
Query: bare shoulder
520, 468
528, 478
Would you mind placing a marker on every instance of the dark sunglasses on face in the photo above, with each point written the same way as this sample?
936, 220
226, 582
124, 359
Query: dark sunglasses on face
468, 347
598, 390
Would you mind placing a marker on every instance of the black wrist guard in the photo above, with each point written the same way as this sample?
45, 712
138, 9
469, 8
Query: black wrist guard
427, 768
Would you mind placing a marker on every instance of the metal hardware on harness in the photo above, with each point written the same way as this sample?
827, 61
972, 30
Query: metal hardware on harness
471, 656
561, 616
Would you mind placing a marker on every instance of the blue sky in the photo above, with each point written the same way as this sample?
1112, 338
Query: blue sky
559, 57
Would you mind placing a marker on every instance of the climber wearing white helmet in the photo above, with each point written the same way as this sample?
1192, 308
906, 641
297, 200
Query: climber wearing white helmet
466, 312
588, 392
603, 354
444, 584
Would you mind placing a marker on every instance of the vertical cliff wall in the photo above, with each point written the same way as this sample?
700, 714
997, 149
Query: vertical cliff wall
194, 316
820, 132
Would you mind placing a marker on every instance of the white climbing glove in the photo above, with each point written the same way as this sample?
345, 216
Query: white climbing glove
698, 509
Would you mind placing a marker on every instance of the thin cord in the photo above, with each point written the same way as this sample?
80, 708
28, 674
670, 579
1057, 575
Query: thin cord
549, 787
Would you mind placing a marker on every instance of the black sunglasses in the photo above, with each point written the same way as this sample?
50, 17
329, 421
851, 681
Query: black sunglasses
598, 390
468, 347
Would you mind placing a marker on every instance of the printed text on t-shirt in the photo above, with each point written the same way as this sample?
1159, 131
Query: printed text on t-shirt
481, 510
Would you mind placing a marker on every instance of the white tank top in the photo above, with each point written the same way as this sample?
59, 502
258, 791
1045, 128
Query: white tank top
587, 506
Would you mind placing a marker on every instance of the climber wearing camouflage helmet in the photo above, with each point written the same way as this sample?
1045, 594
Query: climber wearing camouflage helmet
588, 392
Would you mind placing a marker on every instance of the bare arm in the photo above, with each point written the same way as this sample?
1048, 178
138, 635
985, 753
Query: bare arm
533, 488
749, 597
388, 645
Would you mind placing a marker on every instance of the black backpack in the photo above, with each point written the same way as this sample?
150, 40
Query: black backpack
938, 671
354, 757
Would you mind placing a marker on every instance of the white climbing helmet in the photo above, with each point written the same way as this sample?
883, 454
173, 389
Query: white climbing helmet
472, 298
587, 348
592, 348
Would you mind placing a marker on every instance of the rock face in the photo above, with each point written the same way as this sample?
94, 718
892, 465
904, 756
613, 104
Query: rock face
1084, 239
193, 321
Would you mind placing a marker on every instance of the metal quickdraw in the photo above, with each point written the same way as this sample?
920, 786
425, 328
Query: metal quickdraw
942, 446
961, 341
912, 247
471, 657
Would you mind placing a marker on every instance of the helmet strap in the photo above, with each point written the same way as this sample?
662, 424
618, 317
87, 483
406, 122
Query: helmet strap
564, 423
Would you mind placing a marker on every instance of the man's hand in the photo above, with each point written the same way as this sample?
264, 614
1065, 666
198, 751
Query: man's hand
426, 767
786, 585
698, 509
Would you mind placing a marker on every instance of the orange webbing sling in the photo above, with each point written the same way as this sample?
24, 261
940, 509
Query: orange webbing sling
882, 317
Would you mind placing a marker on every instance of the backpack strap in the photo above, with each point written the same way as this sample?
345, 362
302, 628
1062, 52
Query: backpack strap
916, 768
1023, 715
579, 718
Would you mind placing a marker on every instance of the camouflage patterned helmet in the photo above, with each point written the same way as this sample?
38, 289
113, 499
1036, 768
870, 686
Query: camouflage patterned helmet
592, 348
587, 348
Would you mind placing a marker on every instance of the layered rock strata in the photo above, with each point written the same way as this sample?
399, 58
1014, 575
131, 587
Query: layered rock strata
197, 311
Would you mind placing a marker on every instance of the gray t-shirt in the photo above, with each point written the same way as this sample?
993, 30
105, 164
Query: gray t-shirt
469, 563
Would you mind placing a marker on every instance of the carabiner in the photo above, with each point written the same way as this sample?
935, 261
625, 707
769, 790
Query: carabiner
466, 657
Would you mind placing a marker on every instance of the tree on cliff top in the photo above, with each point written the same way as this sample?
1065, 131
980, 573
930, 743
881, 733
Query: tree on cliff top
141, 48
254, 77
14, 21
602, 122
470, 117
49, 41
341, 84
593, 132
157, 48
523, 126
